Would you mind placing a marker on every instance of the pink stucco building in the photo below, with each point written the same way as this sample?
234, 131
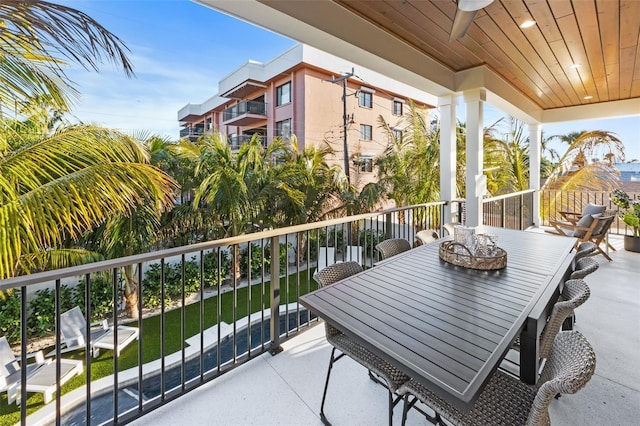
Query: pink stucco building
300, 92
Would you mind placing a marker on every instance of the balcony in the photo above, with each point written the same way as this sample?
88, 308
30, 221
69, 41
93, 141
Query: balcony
196, 300
192, 133
245, 113
287, 388
236, 141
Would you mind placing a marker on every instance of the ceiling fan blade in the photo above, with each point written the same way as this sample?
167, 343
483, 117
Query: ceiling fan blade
465, 13
461, 23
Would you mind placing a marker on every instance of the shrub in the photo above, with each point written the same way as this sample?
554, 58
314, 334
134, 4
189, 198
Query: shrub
101, 291
152, 281
42, 318
10, 315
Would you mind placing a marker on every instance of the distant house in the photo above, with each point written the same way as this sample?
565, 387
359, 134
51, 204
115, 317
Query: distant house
300, 92
629, 177
629, 172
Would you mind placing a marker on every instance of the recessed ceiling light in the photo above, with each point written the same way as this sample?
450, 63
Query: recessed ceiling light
574, 66
588, 97
527, 24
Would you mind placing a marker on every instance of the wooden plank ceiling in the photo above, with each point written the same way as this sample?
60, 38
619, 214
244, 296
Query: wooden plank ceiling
601, 36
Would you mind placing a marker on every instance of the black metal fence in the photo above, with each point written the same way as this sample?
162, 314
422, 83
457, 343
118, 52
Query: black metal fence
203, 310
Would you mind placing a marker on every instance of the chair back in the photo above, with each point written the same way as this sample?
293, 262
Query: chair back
449, 227
8, 363
584, 267
392, 246
574, 294
338, 271
584, 249
601, 228
332, 274
569, 368
426, 236
73, 327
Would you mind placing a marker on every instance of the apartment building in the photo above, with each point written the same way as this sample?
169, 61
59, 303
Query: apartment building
320, 98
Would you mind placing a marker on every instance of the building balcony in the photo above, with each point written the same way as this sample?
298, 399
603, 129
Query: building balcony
224, 372
236, 141
192, 133
245, 113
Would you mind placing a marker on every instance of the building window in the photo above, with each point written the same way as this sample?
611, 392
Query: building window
397, 108
364, 163
365, 99
283, 128
283, 94
397, 134
365, 132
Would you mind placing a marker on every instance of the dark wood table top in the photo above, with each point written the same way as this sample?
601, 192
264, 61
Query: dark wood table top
444, 325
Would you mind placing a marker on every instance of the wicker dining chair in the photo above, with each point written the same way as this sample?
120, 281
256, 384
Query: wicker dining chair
392, 246
574, 293
585, 249
506, 400
584, 267
380, 371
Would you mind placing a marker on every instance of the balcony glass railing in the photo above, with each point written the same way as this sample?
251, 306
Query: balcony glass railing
191, 132
236, 141
244, 107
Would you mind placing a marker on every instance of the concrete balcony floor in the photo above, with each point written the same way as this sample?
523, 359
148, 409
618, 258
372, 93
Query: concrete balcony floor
287, 389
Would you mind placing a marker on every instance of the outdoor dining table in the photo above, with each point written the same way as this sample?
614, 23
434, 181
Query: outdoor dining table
447, 326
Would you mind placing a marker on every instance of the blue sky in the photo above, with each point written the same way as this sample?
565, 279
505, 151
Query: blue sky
180, 50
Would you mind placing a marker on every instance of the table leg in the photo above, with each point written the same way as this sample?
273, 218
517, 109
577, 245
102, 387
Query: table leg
529, 352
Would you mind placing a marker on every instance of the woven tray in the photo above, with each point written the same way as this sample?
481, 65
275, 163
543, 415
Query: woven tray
463, 257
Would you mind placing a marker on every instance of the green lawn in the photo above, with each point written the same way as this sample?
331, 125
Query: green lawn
151, 335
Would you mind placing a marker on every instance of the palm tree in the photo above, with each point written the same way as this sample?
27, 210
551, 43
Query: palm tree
37, 39
409, 169
572, 170
64, 184
235, 188
313, 186
506, 158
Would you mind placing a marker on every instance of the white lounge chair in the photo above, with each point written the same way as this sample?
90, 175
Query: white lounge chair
73, 328
41, 375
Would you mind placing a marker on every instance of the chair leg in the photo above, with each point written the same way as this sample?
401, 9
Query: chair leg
332, 360
405, 408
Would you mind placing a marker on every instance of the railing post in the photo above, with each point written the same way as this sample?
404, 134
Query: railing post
388, 225
275, 347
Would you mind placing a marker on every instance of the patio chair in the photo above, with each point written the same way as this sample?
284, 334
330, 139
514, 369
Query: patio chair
73, 330
426, 236
41, 374
585, 249
574, 293
592, 227
584, 267
506, 400
326, 257
449, 227
385, 373
392, 246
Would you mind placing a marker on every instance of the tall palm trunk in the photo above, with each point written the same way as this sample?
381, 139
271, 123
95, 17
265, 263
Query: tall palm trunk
131, 292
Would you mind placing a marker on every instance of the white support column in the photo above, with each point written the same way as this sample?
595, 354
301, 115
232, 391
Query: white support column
448, 189
475, 179
535, 157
